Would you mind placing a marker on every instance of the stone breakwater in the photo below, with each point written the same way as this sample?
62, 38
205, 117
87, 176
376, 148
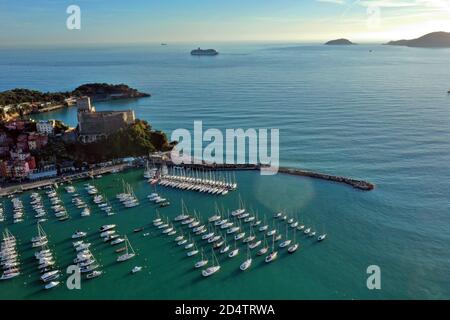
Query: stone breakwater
355, 183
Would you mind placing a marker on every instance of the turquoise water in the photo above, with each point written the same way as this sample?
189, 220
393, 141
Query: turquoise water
381, 116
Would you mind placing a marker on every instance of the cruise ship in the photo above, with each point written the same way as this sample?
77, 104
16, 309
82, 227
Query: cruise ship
204, 52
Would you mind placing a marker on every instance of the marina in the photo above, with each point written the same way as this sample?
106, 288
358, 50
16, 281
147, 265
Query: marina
209, 233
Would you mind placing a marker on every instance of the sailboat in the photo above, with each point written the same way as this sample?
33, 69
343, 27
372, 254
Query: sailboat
226, 247
41, 239
286, 242
214, 268
127, 255
248, 262
294, 246
180, 237
301, 226
251, 237
265, 226
190, 244
322, 236
274, 254
234, 252
65, 216
193, 252
312, 233
264, 249
202, 262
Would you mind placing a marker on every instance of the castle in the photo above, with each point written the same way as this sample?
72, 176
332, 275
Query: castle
94, 126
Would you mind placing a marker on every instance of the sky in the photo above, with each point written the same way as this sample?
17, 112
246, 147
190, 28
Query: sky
43, 22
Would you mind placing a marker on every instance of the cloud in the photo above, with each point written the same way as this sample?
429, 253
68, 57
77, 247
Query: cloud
340, 2
441, 4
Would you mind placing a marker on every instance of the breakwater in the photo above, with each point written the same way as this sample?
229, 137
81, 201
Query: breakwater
355, 183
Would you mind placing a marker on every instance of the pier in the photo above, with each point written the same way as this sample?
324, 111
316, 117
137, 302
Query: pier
355, 183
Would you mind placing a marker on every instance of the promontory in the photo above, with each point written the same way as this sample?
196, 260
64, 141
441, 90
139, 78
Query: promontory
431, 40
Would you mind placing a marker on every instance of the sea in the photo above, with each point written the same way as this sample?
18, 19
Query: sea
373, 112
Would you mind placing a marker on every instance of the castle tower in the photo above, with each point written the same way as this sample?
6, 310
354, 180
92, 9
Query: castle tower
84, 105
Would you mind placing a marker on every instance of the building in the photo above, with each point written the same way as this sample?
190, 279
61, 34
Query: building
19, 155
36, 141
94, 126
45, 126
15, 125
84, 104
17, 170
43, 173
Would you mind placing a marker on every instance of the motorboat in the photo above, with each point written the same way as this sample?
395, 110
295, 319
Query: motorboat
136, 269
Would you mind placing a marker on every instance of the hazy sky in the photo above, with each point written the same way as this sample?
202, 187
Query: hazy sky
30, 22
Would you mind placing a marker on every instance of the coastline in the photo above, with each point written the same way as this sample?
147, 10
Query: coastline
21, 187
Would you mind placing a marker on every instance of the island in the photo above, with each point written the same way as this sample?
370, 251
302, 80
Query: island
18, 102
204, 52
339, 42
431, 40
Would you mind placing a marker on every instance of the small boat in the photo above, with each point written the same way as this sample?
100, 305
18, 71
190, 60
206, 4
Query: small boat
225, 248
138, 229
52, 284
294, 246
128, 255
86, 212
239, 236
286, 242
202, 262
255, 244
136, 269
117, 241
107, 227
273, 255
180, 237
121, 249
214, 218
94, 274
214, 268
78, 234
193, 252
107, 233
264, 249
248, 262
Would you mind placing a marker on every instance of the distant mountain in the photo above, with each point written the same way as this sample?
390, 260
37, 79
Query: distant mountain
430, 40
339, 42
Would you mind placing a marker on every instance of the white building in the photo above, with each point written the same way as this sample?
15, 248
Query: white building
45, 127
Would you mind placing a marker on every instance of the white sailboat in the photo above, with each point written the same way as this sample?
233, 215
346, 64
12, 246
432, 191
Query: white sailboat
129, 252
294, 247
248, 262
214, 268
235, 251
286, 242
274, 254
202, 262
264, 249
323, 236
